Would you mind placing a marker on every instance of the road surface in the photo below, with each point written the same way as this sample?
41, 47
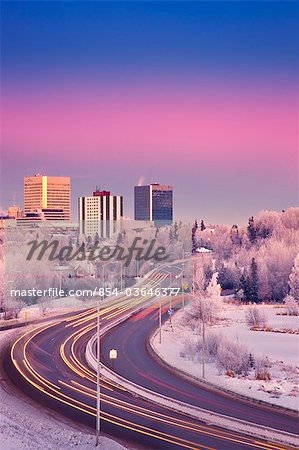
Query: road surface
49, 364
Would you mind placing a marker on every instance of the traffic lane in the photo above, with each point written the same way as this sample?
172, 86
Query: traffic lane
135, 364
116, 431
121, 396
229, 443
170, 431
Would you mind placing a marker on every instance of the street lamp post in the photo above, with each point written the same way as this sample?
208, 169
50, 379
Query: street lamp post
201, 251
202, 317
60, 269
160, 317
121, 275
203, 345
14, 284
98, 420
183, 289
121, 272
183, 275
170, 299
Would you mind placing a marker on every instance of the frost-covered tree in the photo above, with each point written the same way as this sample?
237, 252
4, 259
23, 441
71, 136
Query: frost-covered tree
255, 317
291, 305
233, 357
279, 258
264, 289
173, 234
272, 239
294, 280
207, 302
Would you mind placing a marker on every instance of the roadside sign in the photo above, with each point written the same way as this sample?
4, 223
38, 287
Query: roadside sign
113, 354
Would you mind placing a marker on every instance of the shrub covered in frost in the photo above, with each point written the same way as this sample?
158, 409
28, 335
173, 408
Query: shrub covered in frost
255, 317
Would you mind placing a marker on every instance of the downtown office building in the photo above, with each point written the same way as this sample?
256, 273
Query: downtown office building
47, 197
100, 214
154, 203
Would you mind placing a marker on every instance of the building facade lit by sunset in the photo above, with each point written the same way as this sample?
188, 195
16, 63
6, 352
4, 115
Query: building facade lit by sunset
15, 212
100, 213
50, 196
154, 202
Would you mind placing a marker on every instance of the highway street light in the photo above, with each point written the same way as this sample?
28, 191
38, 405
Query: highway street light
201, 251
121, 272
60, 268
183, 272
183, 290
160, 316
12, 282
170, 299
98, 419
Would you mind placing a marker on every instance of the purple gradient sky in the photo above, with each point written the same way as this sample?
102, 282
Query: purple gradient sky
223, 133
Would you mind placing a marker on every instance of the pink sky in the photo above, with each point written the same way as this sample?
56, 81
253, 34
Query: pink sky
243, 132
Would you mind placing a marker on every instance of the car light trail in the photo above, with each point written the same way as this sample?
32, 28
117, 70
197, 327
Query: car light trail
75, 332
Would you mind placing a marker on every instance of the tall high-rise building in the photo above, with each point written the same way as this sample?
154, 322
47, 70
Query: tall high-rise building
50, 196
100, 213
154, 202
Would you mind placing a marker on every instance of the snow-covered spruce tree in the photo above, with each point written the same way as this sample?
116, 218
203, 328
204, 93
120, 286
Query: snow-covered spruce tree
234, 235
194, 237
249, 283
254, 281
245, 286
294, 280
251, 230
227, 276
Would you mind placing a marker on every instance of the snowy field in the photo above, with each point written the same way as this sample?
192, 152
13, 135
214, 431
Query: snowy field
26, 426
281, 349
277, 346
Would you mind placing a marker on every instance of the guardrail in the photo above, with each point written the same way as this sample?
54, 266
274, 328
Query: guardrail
203, 415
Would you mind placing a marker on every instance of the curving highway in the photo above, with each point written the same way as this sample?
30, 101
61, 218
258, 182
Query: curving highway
49, 363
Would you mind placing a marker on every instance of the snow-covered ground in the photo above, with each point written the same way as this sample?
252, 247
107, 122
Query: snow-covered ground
277, 346
281, 349
26, 426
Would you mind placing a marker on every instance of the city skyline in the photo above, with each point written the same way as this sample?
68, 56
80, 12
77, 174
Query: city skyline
153, 91
127, 201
